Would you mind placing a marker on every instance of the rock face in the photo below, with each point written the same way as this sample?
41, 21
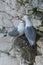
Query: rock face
40, 44
39, 59
5, 44
19, 52
7, 60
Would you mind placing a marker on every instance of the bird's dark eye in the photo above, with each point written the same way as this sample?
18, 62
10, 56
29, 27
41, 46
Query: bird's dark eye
3, 27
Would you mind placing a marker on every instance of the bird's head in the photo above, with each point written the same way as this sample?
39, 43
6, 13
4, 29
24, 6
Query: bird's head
23, 21
24, 18
27, 20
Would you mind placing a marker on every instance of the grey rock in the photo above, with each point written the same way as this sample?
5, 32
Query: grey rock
6, 43
40, 45
39, 60
7, 60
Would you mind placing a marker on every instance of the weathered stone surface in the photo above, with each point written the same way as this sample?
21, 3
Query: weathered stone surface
39, 60
39, 57
36, 22
40, 42
41, 28
40, 8
38, 4
7, 60
10, 12
6, 43
40, 45
35, 3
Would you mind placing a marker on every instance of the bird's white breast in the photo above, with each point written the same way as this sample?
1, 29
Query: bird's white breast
21, 28
28, 23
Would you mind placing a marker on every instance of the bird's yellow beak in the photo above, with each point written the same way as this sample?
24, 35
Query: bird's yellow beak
23, 21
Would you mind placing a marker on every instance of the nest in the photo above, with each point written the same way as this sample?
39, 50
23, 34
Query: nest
27, 52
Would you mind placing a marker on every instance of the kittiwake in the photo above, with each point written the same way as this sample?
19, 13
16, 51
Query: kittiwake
17, 31
30, 31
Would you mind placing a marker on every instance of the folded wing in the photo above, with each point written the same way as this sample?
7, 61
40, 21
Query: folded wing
30, 33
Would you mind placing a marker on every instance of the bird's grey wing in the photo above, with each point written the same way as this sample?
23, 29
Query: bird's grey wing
30, 33
14, 32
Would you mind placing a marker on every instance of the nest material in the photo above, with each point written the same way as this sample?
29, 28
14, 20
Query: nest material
27, 52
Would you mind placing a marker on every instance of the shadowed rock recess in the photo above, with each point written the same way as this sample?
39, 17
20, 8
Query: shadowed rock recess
17, 51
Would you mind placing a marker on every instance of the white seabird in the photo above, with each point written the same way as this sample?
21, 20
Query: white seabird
17, 31
30, 31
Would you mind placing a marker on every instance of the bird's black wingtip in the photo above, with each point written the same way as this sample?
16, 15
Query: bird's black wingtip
33, 46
